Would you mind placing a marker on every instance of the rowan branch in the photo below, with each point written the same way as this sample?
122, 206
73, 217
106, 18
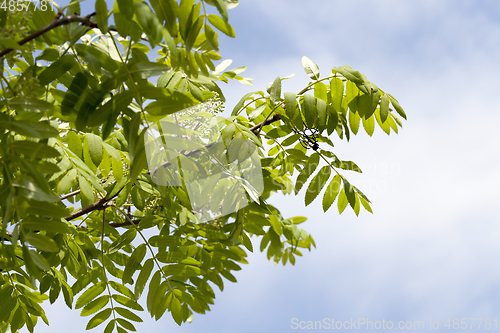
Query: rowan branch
255, 129
95, 206
99, 204
58, 21
274, 118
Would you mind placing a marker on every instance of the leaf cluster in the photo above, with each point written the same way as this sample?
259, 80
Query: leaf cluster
83, 216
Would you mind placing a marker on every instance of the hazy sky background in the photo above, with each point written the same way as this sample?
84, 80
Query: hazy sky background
431, 249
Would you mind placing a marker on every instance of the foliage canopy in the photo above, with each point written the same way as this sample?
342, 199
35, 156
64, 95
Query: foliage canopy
84, 215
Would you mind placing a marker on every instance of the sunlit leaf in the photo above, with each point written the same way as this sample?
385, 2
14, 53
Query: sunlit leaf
331, 192
311, 68
99, 318
317, 184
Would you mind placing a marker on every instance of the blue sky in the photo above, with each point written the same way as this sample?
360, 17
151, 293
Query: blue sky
430, 250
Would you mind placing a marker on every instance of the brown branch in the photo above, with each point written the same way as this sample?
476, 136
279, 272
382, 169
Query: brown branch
116, 224
274, 118
90, 208
99, 204
58, 21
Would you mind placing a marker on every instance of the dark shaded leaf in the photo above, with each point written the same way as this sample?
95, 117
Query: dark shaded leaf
56, 69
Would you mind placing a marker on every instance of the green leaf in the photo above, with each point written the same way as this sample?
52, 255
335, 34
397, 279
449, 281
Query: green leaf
176, 310
112, 108
145, 69
67, 293
74, 143
101, 10
275, 92
351, 75
74, 93
31, 129
143, 277
276, 225
96, 58
317, 184
85, 279
110, 326
38, 223
257, 111
86, 191
149, 23
90, 294
173, 101
117, 169
385, 126
126, 8
194, 31
349, 165
20, 104
354, 121
134, 263
211, 37
311, 68
384, 108
126, 238
337, 92
18, 319
397, 107
181, 270
48, 209
222, 8
221, 25
112, 151
3, 18
309, 110
34, 149
332, 120
129, 303
365, 204
166, 11
311, 165
291, 105
9, 43
138, 158
95, 305
99, 318
369, 125
349, 193
320, 91
321, 110
127, 314
38, 260
31, 191
56, 69
122, 289
187, 10
153, 291
342, 201
94, 146
126, 324
331, 192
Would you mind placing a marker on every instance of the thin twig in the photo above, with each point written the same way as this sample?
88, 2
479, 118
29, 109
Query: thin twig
96, 205
58, 21
99, 204
66, 196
